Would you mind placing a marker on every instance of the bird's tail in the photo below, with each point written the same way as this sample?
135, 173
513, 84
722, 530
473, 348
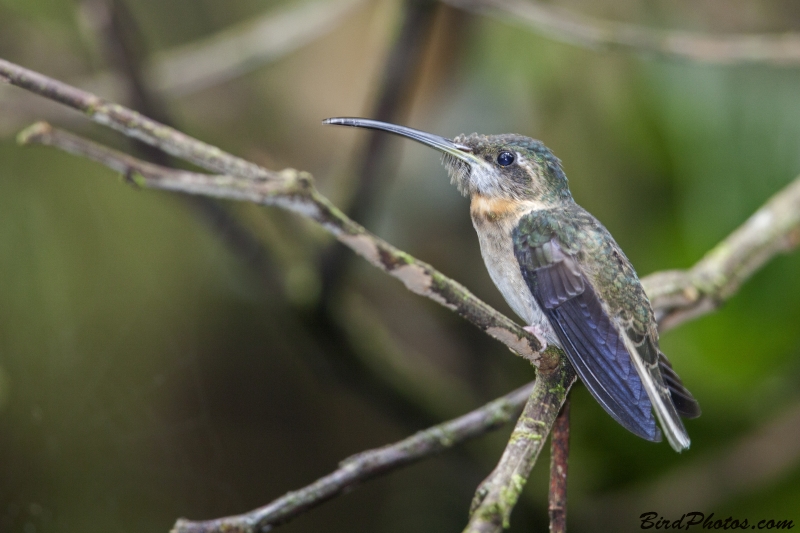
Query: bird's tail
683, 400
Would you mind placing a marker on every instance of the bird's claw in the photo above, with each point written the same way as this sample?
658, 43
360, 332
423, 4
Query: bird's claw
537, 332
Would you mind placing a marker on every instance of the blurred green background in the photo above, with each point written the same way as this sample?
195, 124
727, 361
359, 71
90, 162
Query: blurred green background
149, 369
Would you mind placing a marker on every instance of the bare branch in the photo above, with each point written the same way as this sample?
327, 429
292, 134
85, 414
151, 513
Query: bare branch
367, 465
559, 454
681, 295
132, 123
498, 494
776, 49
244, 47
293, 190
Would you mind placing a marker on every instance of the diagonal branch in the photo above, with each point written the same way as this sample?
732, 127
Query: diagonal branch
125, 48
498, 494
294, 190
681, 295
367, 465
777, 49
132, 124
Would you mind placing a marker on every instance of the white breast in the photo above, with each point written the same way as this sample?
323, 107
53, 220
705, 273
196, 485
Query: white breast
497, 250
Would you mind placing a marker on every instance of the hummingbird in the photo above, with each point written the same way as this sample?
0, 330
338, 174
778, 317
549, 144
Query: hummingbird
561, 271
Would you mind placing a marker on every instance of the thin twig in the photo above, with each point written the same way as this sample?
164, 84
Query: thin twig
125, 49
132, 124
367, 465
126, 52
498, 494
559, 455
294, 190
396, 90
780, 49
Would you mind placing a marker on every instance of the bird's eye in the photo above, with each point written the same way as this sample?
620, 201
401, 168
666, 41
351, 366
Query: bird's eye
505, 158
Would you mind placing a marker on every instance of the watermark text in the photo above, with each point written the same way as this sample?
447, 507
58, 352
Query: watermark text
698, 520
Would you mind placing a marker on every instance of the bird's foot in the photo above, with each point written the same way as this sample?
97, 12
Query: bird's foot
537, 332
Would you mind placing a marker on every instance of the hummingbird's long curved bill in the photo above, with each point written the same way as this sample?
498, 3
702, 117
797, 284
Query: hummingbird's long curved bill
442, 144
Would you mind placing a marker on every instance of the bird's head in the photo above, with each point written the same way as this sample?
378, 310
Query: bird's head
507, 166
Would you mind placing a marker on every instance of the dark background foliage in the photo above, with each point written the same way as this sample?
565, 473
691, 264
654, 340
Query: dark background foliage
148, 371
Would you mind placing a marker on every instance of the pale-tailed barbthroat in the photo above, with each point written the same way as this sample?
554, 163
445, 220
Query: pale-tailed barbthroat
562, 272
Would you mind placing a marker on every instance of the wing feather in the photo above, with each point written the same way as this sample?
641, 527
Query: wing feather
590, 340
603, 348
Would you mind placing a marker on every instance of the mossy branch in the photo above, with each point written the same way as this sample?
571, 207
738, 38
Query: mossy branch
498, 494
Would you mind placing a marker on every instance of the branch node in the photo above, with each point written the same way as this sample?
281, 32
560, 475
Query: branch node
480, 495
549, 360
134, 179
34, 132
691, 293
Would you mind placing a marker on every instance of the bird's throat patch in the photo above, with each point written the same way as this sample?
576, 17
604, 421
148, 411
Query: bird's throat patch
487, 209
492, 209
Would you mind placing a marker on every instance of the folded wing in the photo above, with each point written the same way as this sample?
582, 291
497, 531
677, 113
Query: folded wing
619, 363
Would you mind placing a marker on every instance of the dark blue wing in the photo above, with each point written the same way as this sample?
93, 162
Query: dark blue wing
590, 339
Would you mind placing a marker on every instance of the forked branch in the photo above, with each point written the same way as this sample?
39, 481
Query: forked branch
242, 180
